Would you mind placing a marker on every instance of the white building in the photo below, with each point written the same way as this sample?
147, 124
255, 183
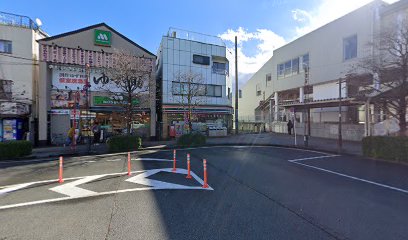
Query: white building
19, 76
300, 81
183, 53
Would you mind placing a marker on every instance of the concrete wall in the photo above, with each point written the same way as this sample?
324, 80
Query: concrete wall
250, 100
351, 132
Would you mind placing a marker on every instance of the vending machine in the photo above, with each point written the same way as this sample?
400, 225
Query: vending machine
12, 129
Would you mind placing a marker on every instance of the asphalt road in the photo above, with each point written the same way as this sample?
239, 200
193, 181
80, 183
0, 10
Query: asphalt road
255, 193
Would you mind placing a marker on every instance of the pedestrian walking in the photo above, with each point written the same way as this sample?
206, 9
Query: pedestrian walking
290, 126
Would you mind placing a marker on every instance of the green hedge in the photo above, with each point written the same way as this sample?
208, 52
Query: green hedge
385, 147
15, 149
124, 143
191, 140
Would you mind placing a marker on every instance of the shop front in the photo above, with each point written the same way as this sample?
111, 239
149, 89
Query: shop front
203, 119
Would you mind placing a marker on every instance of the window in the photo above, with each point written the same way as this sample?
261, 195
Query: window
220, 68
288, 68
350, 47
218, 91
305, 61
239, 93
203, 60
258, 90
281, 70
229, 93
210, 90
5, 89
176, 88
5, 46
295, 66
268, 77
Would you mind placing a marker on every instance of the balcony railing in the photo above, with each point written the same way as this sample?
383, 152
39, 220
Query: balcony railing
17, 21
220, 71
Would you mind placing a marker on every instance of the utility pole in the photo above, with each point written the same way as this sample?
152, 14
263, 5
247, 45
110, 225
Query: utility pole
340, 140
305, 119
236, 86
88, 117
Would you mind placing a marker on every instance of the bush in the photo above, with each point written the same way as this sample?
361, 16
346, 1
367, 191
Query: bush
124, 143
15, 149
191, 140
385, 147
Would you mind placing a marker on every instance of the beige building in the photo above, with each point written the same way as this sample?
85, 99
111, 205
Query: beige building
67, 101
19, 75
300, 81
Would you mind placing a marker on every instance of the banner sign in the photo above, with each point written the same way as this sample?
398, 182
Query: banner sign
78, 56
73, 78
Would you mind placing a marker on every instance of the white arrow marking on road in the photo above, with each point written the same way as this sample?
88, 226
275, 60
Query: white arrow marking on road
152, 159
156, 184
72, 190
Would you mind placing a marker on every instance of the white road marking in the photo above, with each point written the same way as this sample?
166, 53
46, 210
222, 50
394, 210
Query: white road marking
303, 159
155, 184
71, 189
14, 188
152, 159
66, 179
89, 161
74, 192
354, 178
114, 160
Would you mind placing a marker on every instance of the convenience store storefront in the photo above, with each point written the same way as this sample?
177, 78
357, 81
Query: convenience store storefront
64, 99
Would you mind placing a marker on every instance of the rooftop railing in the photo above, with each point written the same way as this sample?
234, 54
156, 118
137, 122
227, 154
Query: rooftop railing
17, 21
194, 36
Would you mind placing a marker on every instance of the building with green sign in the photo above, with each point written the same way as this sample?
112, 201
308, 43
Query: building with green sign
63, 97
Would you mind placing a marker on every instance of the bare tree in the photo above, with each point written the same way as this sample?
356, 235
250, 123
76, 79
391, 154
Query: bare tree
188, 91
129, 83
382, 77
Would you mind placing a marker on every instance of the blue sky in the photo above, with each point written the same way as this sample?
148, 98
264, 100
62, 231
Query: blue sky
261, 25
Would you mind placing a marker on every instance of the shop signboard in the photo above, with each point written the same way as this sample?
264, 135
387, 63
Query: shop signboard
102, 37
109, 101
73, 78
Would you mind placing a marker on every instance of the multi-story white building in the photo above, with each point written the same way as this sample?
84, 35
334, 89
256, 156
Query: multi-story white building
19, 74
300, 81
184, 57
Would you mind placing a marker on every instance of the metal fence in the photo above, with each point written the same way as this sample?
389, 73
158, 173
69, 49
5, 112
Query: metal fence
17, 20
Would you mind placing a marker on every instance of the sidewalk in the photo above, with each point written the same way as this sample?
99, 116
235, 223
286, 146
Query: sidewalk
322, 144
278, 139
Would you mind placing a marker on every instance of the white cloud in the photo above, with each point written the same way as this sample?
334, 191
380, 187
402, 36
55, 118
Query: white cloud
266, 41
325, 12
300, 15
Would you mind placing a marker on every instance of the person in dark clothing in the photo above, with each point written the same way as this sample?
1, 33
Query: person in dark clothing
96, 129
290, 126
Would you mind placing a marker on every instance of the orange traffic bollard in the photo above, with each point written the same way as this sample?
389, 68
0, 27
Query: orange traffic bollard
205, 174
188, 166
174, 161
129, 166
61, 162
